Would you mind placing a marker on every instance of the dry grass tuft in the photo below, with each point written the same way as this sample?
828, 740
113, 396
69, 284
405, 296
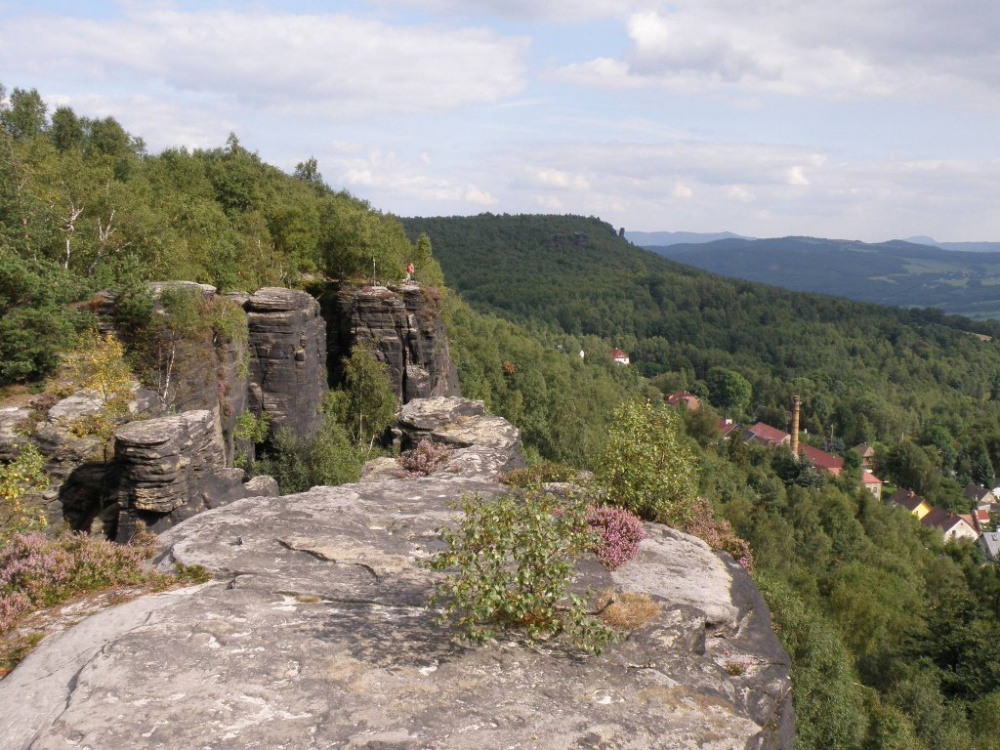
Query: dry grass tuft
627, 610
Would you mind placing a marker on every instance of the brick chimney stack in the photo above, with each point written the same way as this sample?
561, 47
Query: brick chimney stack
796, 407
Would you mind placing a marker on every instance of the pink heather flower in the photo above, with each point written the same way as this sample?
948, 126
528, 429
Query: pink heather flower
619, 534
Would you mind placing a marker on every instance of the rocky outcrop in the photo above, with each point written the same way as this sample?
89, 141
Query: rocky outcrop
195, 372
485, 442
316, 634
402, 325
288, 377
171, 468
78, 462
164, 469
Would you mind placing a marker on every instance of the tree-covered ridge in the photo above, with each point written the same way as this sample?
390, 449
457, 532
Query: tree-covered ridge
83, 206
891, 273
864, 372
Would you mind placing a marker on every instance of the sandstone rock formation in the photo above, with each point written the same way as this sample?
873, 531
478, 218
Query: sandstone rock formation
78, 466
486, 443
403, 326
171, 468
315, 634
288, 358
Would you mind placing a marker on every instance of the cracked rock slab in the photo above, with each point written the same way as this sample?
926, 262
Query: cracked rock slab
316, 634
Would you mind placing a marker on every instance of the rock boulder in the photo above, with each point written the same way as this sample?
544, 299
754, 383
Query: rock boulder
170, 468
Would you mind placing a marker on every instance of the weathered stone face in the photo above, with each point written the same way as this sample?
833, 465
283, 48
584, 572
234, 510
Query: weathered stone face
288, 358
403, 327
316, 634
170, 468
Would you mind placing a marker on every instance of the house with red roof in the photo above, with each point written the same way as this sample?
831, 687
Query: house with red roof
619, 356
726, 427
683, 397
822, 459
764, 434
872, 483
981, 519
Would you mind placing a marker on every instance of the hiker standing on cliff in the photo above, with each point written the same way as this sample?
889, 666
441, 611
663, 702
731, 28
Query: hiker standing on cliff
409, 272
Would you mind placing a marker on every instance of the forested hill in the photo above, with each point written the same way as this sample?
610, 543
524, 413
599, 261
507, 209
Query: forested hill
891, 273
865, 372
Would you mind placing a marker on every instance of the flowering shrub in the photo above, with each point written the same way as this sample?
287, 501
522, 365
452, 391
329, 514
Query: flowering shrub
425, 458
619, 533
719, 534
38, 571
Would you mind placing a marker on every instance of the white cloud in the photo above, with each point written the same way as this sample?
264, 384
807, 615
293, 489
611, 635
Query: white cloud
398, 180
570, 11
335, 64
755, 189
856, 48
479, 197
680, 190
557, 178
161, 124
740, 193
797, 176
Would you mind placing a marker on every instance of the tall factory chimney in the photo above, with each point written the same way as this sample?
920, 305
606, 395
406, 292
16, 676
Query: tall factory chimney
796, 407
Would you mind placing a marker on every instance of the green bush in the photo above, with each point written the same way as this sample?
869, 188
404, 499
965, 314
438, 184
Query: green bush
19, 478
35, 324
251, 427
509, 567
647, 468
542, 472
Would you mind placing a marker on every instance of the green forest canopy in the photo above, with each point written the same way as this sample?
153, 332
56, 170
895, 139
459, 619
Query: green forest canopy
864, 372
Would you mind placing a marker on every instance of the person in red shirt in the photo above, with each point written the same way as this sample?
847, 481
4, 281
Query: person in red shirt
409, 272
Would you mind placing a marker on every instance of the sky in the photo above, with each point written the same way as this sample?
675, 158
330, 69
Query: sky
857, 119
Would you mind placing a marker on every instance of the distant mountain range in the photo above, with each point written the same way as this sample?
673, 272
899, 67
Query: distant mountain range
652, 239
666, 239
965, 247
961, 278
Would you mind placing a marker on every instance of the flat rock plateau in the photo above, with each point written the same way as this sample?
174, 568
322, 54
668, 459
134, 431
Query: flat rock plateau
315, 634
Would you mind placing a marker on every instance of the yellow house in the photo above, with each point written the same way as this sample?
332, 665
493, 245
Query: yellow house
911, 501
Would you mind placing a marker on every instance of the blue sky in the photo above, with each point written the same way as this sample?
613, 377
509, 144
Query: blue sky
862, 119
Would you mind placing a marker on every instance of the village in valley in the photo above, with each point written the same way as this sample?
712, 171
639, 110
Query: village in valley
977, 526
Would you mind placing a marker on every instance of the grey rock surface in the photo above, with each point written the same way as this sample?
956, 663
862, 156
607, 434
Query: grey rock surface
315, 634
288, 376
262, 486
11, 439
489, 431
489, 444
428, 414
